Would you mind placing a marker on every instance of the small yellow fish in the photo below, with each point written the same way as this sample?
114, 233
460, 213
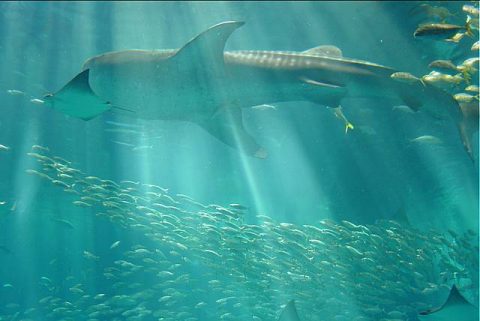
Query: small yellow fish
456, 37
473, 89
467, 68
439, 79
470, 10
465, 98
406, 77
457, 79
471, 62
443, 65
475, 46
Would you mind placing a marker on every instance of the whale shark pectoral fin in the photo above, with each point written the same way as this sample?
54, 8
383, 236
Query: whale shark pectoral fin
289, 313
77, 99
206, 49
411, 101
227, 126
327, 94
320, 84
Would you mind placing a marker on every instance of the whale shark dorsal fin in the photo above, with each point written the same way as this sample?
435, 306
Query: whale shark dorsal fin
289, 313
77, 99
207, 47
325, 51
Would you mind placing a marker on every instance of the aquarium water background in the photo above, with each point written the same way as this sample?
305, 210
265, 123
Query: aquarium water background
363, 225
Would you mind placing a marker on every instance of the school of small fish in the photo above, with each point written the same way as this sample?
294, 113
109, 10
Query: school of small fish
455, 79
203, 262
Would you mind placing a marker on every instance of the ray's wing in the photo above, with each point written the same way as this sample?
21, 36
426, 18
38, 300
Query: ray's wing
456, 307
77, 99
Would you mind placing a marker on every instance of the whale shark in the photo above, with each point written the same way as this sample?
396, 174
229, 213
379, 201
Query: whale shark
456, 307
206, 85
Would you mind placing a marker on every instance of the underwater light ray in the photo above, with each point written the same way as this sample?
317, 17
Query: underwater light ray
85, 141
448, 185
258, 276
188, 21
433, 162
307, 34
394, 33
333, 168
246, 161
249, 172
28, 130
340, 26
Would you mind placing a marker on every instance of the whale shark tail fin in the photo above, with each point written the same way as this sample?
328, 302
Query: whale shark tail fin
77, 99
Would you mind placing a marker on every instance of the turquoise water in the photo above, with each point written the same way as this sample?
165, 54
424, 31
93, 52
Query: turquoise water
120, 218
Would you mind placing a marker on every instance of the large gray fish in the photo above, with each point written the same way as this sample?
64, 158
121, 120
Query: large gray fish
440, 30
455, 308
201, 83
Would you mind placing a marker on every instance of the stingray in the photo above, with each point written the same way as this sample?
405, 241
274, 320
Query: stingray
456, 308
203, 84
